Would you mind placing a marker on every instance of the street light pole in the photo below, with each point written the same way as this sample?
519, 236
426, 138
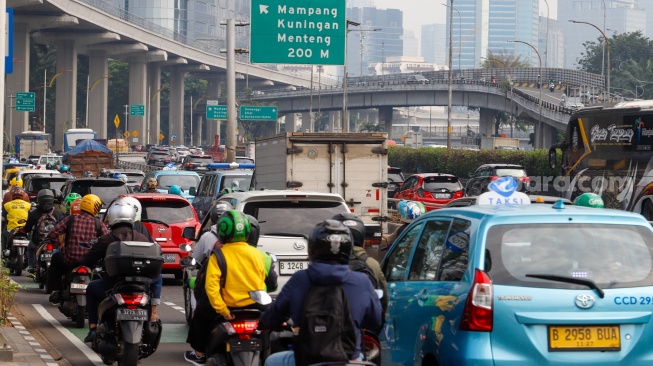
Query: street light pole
607, 44
450, 75
603, 59
538, 135
344, 121
460, 33
546, 45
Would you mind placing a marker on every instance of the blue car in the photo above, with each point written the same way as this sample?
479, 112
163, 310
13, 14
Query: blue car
503, 284
187, 181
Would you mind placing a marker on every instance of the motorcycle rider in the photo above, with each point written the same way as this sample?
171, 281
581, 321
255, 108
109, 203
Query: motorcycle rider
15, 214
14, 183
174, 189
271, 275
151, 185
136, 205
329, 266
408, 211
245, 272
120, 217
67, 202
357, 228
82, 228
203, 248
45, 206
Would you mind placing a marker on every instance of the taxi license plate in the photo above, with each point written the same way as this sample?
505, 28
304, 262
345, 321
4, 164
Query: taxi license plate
442, 195
584, 338
290, 267
131, 314
46, 257
169, 258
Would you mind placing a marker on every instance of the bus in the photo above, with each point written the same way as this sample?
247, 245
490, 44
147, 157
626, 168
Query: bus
32, 143
75, 135
609, 151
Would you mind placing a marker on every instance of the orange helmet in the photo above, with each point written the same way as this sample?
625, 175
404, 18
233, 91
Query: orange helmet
76, 207
19, 194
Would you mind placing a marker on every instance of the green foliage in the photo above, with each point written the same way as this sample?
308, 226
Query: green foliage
463, 162
503, 60
8, 289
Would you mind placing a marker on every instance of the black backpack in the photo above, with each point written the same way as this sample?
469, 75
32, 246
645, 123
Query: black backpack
200, 278
326, 330
359, 264
71, 221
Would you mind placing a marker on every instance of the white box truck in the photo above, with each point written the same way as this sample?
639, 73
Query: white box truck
354, 165
499, 143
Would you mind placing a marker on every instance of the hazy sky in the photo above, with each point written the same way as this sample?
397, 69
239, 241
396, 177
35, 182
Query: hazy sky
419, 12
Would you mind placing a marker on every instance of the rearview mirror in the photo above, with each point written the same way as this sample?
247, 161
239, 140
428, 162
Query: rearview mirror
188, 233
260, 297
471, 175
187, 262
192, 191
185, 248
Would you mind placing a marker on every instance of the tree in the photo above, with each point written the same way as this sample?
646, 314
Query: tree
503, 60
369, 126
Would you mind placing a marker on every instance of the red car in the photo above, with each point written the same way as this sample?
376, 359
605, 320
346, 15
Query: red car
165, 216
434, 188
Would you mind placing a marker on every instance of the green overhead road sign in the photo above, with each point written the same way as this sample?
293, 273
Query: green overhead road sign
26, 102
216, 112
311, 32
258, 113
137, 110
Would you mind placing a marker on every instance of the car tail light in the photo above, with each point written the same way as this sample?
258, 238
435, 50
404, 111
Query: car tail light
458, 194
49, 247
478, 312
371, 241
167, 159
188, 164
241, 327
151, 158
493, 178
131, 300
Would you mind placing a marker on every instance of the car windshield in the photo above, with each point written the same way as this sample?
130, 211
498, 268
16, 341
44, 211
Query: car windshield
292, 217
432, 184
167, 211
183, 181
107, 190
236, 182
613, 256
513, 172
46, 183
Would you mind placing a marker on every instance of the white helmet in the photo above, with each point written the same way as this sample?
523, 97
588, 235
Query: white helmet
120, 213
136, 204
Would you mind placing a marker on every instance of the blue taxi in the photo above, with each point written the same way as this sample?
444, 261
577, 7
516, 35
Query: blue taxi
505, 284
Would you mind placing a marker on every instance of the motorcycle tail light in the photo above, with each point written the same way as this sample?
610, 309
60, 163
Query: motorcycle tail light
82, 270
241, 327
131, 299
49, 247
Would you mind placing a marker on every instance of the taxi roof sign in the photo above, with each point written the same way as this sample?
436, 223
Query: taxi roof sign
503, 191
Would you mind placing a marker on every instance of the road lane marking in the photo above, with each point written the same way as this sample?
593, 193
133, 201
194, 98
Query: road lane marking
169, 303
89, 353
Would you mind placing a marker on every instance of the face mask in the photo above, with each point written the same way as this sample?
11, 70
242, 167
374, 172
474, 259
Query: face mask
46, 207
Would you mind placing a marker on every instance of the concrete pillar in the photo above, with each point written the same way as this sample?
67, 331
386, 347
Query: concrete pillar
486, 121
137, 95
291, 123
385, 118
332, 121
176, 115
18, 81
212, 125
197, 139
549, 135
306, 122
65, 115
98, 71
153, 106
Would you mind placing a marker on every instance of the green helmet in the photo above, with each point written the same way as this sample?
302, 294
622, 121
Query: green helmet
233, 226
70, 199
589, 200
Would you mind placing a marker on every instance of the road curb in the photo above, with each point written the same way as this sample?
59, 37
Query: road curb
24, 348
6, 352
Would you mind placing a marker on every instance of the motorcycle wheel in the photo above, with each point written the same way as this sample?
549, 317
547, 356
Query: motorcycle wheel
48, 290
80, 317
188, 309
18, 266
129, 355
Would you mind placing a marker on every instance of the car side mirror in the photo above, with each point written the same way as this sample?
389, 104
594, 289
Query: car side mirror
192, 191
188, 233
187, 261
5, 184
471, 175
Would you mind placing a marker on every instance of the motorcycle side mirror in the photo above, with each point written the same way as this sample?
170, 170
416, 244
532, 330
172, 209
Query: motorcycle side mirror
192, 191
260, 297
273, 257
185, 248
379, 293
188, 233
187, 261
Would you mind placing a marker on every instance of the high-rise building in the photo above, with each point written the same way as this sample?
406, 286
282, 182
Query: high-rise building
620, 16
482, 26
434, 43
554, 54
411, 47
379, 35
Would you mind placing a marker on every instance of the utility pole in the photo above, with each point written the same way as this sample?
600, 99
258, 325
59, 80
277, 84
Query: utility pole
450, 74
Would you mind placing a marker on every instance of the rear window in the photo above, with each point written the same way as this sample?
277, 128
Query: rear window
167, 211
163, 153
203, 159
107, 190
292, 217
514, 172
46, 183
134, 177
612, 256
235, 182
183, 181
432, 184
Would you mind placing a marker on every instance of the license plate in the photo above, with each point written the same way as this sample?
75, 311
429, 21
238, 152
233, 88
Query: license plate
290, 267
21, 243
584, 338
46, 257
442, 195
169, 258
78, 286
131, 314
244, 345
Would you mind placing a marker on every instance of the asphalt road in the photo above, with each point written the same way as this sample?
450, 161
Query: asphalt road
64, 342
547, 96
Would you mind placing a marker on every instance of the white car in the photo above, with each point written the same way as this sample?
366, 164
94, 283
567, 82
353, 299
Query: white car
286, 219
50, 158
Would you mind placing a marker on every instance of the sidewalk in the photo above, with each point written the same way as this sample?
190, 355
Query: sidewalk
25, 349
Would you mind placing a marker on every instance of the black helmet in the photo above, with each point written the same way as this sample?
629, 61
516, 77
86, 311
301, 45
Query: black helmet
219, 209
104, 172
233, 226
255, 231
330, 241
45, 198
355, 225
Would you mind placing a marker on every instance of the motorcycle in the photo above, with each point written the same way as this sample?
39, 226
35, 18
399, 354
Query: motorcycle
124, 332
73, 295
552, 87
244, 341
15, 255
44, 255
